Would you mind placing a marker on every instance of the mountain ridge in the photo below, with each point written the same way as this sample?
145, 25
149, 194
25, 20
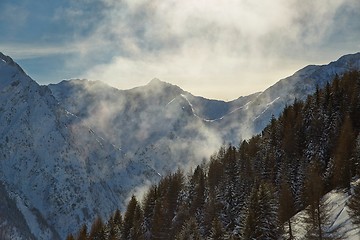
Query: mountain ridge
143, 109
64, 135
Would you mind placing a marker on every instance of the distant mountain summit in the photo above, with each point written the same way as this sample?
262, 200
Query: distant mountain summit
252, 118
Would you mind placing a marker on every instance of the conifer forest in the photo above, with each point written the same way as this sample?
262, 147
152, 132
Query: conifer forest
252, 191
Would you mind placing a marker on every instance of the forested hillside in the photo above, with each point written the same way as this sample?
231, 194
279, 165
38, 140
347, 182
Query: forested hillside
252, 191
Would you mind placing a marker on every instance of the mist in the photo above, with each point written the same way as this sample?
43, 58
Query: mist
208, 48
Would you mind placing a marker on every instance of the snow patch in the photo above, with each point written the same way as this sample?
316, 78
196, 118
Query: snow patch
339, 219
33, 222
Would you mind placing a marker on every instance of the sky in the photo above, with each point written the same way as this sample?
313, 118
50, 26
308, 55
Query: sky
220, 49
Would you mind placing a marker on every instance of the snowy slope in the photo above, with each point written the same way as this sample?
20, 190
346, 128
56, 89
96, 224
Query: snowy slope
339, 222
57, 171
155, 124
252, 118
76, 149
160, 121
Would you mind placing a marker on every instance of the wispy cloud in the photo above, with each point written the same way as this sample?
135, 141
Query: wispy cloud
194, 43
27, 51
203, 46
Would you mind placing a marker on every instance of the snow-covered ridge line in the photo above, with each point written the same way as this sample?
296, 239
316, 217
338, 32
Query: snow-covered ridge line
267, 108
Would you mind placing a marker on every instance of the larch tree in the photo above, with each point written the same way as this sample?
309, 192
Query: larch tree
97, 231
343, 153
316, 212
286, 206
70, 237
82, 235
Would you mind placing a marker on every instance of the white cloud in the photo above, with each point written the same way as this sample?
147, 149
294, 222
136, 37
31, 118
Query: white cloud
28, 51
199, 44
220, 49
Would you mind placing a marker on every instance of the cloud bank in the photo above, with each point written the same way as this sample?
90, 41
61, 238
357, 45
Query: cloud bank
207, 47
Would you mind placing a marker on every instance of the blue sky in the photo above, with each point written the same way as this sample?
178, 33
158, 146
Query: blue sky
217, 49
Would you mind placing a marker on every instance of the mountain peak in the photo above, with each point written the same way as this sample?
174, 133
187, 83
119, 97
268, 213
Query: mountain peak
156, 81
163, 86
9, 61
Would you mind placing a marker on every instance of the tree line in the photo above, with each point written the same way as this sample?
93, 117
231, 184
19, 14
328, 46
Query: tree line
252, 191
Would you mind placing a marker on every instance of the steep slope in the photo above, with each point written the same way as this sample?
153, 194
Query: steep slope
56, 170
160, 121
339, 220
249, 192
252, 118
153, 123
12, 223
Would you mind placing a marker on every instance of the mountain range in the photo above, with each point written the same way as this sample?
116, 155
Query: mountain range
66, 147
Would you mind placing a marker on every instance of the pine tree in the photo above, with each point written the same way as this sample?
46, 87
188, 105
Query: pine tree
117, 223
129, 217
217, 231
149, 210
136, 232
215, 174
190, 231
114, 226
262, 218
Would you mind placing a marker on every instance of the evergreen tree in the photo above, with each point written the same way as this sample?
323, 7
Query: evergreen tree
117, 224
149, 210
217, 231
190, 231
129, 217
136, 232
262, 218
215, 174
114, 226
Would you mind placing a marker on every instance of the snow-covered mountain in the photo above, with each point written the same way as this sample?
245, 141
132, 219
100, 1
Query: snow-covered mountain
256, 114
160, 121
78, 148
159, 124
55, 172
